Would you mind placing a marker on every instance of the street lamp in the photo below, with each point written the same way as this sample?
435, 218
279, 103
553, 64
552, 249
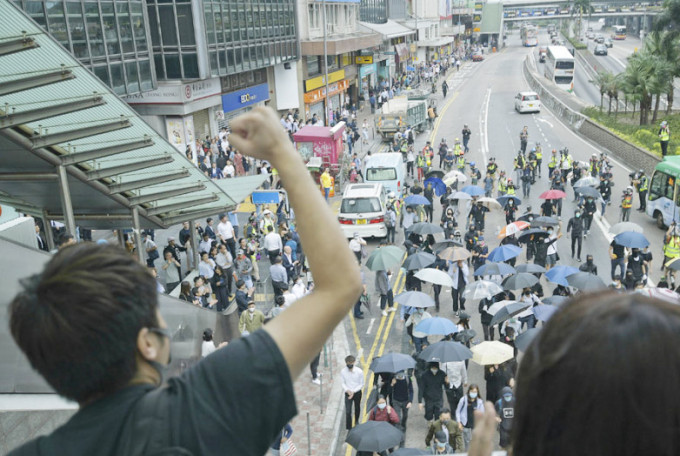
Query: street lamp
325, 64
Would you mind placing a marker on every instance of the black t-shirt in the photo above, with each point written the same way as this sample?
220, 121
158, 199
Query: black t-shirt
234, 401
618, 250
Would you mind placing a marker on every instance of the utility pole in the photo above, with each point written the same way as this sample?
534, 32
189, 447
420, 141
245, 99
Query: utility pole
415, 14
325, 64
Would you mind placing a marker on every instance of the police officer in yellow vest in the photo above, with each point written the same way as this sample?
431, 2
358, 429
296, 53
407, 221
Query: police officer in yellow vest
552, 164
671, 250
642, 184
664, 137
510, 189
502, 184
539, 159
626, 204
460, 162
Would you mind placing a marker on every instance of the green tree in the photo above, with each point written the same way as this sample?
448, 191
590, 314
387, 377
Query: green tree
602, 80
613, 89
636, 82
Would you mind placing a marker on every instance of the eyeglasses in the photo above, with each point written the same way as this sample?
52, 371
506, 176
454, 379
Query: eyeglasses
162, 332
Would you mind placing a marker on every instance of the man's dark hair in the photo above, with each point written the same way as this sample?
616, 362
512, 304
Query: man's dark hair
239, 284
64, 238
208, 220
77, 322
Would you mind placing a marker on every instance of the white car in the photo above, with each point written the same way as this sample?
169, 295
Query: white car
362, 210
527, 102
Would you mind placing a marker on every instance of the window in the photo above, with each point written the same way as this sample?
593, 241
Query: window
145, 75
564, 65
662, 185
132, 76
117, 80
185, 22
313, 66
360, 205
166, 17
172, 66
190, 63
381, 174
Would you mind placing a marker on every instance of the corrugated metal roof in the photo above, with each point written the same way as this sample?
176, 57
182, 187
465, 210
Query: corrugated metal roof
105, 108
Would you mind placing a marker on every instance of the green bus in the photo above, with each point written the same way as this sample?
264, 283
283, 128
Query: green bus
663, 199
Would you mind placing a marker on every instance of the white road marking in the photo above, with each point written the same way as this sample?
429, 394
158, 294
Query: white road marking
370, 326
483, 121
540, 119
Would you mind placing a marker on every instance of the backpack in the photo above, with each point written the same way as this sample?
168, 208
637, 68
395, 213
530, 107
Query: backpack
388, 220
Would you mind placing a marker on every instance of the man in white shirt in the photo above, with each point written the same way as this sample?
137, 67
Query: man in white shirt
206, 267
458, 380
206, 243
356, 244
352, 384
225, 232
226, 262
272, 243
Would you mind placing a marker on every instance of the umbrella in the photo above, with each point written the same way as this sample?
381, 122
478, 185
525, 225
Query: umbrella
588, 191
673, 264
664, 294
453, 176
464, 336
625, 226
523, 341
503, 200
445, 351
513, 228
631, 239
491, 269
410, 68
519, 281
507, 311
555, 300
436, 326
536, 232
416, 200
559, 274
496, 306
489, 203
545, 221
434, 276
482, 289
410, 452
374, 436
492, 352
552, 194
393, 363
437, 184
586, 281
424, 228
418, 260
454, 254
543, 312
434, 173
528, 217
444, 244
530, 268
473, 190
504, 253
414, 299
383, 258
588, 181
459, 196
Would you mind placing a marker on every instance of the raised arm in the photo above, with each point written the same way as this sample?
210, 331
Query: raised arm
301, 330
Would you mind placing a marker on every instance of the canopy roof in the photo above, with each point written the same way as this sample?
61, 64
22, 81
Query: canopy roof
58, 119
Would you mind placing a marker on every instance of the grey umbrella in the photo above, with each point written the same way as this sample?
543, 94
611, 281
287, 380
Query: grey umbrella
530, 268
544, 221
424, 228
465, 335
444, 244
588, 191
523, 341
585, 281
508, 311
374, 436
445, 351
418, 260
393, 363
519, 281
414, 299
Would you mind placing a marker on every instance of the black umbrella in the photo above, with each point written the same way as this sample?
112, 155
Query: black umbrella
530, 268
392, 363
588, 191
519, 281
555, 300
465, 335
508, 311
523, 341
434, 173
528, 217
445, 244
544, 221
410, 452
585, 281
535, 232
374, 436
425, 228
419, 260
445, 351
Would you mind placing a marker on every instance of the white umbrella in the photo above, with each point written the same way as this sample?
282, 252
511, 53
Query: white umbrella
625, 226
434, 276
453, 176
482, 289
492, 352
459, 196
588, 181
489, 203
496, 306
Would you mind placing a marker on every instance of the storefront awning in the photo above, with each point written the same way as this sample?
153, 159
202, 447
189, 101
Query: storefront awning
240, 187
389, 29
436, 43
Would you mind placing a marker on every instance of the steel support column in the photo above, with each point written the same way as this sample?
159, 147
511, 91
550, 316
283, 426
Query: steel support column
66, 203
137, 233
194, 245
49, 235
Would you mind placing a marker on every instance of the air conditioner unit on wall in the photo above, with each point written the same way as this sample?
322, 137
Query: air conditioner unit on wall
219, 115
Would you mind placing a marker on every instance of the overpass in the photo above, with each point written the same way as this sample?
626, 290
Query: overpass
603, 14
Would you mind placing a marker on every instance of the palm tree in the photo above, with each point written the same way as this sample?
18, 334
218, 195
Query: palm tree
637, 81
659, 44
602, 80
582, 6
661, 81
613, 89
669, 20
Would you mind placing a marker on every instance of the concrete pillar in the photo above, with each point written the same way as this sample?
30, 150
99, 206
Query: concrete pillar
49, 235
137, 233
194, 245
66, 203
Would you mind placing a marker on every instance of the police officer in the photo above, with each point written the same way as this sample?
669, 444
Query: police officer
664, 137
539, 158
552, 164
671, 251
523, 139
642, 187
626, 204
492, 167
466, 137
502, 184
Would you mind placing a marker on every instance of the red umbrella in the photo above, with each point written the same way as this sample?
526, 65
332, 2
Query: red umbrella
553, 194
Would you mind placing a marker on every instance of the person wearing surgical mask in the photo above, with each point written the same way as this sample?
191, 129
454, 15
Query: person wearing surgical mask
250, 321
383, 412
440, 445
401, 395
447, 434
433, 382
505, 413
465, 413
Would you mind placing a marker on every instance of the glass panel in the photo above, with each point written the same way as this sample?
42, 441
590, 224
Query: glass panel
223, 61
132, 76
110, 30
54, 8
94, 31
158, 63
139, 32
214, 66
238, 60
74, 8
57, 28
209, 22
102, 72
117, 81
125, 31
172, 66
34, 8
145, 75
77, 26
190, 62
168, 30
185, 22
153, 27
230, 58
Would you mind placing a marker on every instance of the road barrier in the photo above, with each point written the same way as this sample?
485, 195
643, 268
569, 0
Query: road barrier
566, 107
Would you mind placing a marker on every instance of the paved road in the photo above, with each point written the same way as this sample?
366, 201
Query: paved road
482, 96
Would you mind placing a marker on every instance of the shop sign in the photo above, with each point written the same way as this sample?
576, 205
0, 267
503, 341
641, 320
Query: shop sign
364, 59
477, 18
245, 97
476, 29
319, 94
320, 81
177, 93
479, 6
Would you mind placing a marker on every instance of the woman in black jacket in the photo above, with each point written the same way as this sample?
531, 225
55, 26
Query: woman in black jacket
219, 285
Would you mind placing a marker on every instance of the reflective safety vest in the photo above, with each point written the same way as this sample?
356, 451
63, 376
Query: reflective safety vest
457, 149
420, 161
665, 134
643, 184
539, 155
627, 202
491, 169
553, 161
397, 205
671, 249
461, 163
266, 223
510, 190
502, 185
593, 167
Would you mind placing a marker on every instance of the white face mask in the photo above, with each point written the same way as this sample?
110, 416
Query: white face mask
251, 309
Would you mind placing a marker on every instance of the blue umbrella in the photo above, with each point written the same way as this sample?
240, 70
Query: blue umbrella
436, 325
543, 312
632, 240
504, 253
416, 200
492, 268
410, 68
473, 190
505, 198
559, 274
437, 184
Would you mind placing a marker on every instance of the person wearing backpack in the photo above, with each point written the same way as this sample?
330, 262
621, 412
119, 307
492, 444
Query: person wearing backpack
383, 412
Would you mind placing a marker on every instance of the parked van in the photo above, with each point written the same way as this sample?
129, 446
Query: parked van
387, 169
362, 210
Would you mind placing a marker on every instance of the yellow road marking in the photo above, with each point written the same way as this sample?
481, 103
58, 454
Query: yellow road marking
441, 116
